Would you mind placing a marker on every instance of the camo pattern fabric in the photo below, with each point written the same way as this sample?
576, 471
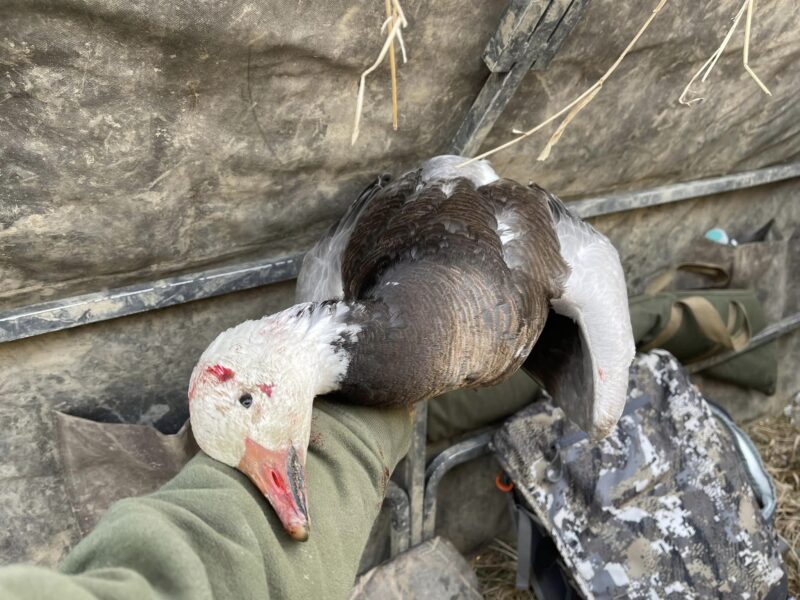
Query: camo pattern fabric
661, 508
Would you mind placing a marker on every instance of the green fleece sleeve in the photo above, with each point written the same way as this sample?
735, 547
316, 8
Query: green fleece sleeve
208, 533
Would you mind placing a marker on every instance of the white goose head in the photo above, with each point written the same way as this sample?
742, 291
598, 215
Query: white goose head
251, 395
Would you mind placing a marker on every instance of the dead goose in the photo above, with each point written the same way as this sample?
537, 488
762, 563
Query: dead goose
442, 279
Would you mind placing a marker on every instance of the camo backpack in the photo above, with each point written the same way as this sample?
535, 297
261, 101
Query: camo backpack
664, 507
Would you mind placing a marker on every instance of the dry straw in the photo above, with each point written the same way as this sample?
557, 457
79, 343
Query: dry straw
496, 568
395, 22
391, 13
778, 442
574, 107
708, 66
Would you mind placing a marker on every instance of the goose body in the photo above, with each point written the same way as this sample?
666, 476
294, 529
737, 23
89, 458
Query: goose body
448, 279
441, 279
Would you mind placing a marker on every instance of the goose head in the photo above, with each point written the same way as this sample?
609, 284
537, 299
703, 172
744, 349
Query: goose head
251, 396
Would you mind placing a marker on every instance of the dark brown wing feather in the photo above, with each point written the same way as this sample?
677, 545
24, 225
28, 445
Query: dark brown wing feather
458, 286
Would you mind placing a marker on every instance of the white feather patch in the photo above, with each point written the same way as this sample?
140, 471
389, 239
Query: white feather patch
445, 167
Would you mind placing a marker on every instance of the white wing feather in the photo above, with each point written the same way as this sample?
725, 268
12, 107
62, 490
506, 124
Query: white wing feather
320, 276
596, 298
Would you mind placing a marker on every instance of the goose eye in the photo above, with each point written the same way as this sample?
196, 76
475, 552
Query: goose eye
246, 400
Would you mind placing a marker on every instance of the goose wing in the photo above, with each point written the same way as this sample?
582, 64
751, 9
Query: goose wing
586, 347
466, 271
455, 216
320, 276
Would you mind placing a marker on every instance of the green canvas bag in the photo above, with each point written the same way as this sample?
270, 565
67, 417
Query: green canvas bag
694, 325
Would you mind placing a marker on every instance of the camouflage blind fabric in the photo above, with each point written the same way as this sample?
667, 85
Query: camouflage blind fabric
661, 508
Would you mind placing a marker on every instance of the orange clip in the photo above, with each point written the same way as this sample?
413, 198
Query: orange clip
503, 487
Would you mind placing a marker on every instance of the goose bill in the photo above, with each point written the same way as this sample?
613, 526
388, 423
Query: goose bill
281, 476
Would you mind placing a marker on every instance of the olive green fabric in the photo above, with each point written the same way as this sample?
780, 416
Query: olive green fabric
209, 534
462, 411
757, 368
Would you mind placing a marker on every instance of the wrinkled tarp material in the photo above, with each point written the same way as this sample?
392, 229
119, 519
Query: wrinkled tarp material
145, 138
662, 507
106, 462
209, 533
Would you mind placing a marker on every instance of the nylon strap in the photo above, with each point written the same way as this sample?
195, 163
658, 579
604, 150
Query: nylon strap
719, 275
708, 319
671, 328
724, 336
740, 337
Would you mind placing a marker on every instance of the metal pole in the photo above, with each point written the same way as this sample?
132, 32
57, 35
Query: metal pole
446, 460
666, 194
399, 534
414, 477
